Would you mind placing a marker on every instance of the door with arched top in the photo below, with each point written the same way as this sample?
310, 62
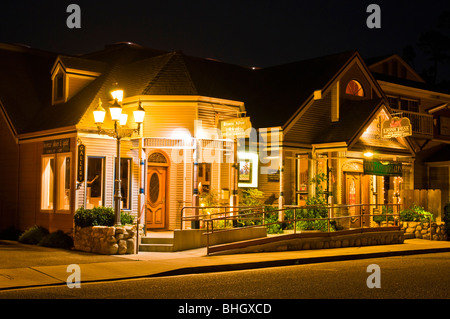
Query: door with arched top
156, 197
353, 197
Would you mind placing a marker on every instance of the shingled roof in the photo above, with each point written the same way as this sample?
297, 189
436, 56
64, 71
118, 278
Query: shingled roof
25, 84
271, 95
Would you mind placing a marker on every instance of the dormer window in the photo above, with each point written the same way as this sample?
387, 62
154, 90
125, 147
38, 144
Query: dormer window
59, 87
70, 75
354, 88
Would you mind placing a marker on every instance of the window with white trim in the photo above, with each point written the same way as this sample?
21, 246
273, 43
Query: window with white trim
64, 184
48, 182
56, 182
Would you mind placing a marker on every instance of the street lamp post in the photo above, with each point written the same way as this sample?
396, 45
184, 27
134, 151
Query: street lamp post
120, 131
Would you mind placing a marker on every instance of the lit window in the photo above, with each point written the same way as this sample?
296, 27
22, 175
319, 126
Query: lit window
48, 179
94, 194
354, 88
63, 190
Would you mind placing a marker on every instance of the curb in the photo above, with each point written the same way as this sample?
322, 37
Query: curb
240, 266
290, 262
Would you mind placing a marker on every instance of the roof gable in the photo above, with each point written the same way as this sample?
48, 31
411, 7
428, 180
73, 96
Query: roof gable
284, 90
369, 136
312, 122
395, 66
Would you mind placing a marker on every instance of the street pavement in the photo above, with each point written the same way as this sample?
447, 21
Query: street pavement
24, 266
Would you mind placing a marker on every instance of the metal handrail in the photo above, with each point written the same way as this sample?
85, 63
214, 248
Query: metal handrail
230, 210
210, 221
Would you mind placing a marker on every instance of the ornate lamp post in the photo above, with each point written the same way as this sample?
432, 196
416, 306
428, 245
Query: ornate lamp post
118, 132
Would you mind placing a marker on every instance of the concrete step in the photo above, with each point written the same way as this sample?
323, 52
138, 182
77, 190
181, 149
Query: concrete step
156, 244
157, 240
156, 247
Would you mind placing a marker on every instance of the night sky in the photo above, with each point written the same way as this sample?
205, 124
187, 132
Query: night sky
249, 33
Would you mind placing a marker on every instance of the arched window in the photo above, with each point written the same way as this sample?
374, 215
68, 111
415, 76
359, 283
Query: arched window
354, 88
157, 157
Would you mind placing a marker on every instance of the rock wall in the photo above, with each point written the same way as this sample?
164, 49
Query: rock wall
432, 231
107, 240
324, 242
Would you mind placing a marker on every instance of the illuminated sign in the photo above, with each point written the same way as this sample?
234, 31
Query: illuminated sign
382, 168
81, 162
396, 127
235, 128
57, 146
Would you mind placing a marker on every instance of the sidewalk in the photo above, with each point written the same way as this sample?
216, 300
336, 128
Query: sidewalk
33, 266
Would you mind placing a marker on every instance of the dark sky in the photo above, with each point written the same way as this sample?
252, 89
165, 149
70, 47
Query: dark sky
250, 33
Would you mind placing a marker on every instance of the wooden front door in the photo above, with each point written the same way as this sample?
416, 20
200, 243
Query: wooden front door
353, 197
156, 197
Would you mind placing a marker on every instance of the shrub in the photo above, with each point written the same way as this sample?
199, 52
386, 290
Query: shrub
252, 197
382, 217
126, 218
100, 216
33, 235
104, 216
415, 213
57, 239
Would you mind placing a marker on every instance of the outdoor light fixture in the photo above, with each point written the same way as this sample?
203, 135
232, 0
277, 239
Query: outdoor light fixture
118, 132
139, 114
115, 110
117, 92
99, 113
123, 119
368, 154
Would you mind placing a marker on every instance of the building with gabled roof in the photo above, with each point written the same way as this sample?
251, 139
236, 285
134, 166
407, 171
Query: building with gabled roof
322, 115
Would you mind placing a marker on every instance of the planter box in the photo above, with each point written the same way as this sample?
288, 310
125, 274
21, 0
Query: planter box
106, 240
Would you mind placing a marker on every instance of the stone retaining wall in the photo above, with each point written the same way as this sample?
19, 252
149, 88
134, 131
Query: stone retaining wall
422, 230
336, 240
107, 240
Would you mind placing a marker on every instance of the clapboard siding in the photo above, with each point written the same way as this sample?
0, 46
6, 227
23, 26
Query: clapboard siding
106, 147
309, 125
165, 120
9, 174
29, 190
29, 203
210, 114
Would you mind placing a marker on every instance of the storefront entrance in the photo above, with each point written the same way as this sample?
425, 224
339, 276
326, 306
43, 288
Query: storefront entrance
353, 197
157, 182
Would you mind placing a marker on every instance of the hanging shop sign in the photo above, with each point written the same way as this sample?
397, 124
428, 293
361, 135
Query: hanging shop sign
382, 168
235, 128
81, 162
57, 146
396, 127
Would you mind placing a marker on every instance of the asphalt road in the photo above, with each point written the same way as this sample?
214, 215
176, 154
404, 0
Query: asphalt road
423, 276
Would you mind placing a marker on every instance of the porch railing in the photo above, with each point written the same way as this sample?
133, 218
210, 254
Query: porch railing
421, 123
339, 218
